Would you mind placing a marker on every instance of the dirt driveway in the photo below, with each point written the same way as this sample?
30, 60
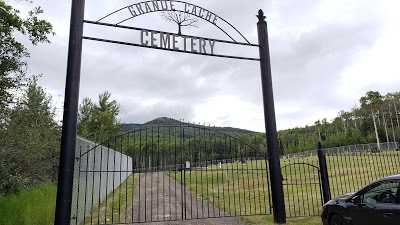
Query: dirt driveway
161, 199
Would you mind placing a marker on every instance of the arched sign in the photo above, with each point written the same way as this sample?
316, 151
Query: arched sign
172, 41
178, 12
146, 7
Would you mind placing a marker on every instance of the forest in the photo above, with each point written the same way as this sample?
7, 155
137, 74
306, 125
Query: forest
375, 121
168, 141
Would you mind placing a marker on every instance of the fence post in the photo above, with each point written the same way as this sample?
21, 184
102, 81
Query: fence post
278, 200
70, 116
324, 174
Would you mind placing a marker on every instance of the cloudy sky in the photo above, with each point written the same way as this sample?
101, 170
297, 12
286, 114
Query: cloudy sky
325, 55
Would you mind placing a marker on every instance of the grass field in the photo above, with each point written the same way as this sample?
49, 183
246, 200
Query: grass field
35, 206
269, 220
242, 189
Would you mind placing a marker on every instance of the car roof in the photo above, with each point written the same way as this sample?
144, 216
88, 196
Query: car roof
391, 177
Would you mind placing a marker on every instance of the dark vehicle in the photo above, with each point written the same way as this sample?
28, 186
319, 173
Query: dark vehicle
376, 204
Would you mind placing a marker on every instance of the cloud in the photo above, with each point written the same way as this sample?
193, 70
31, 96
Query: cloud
319, 52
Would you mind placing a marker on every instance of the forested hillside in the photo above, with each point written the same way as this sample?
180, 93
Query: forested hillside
376, 120
164, 121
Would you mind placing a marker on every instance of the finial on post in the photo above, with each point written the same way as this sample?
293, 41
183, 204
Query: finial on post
261, 16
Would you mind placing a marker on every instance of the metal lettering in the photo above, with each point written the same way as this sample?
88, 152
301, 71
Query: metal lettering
215, 19
157, 39
174, 42
139, 8
164, 7
193, 44
141, 38
212, 44
133, 12
202, 45
172, 5
208, 16
155, 6
187, 5
164, 40
201, 13
148, 9
194, 12
153, 39
184, 43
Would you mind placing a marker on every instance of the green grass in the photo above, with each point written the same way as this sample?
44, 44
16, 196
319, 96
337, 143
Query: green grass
242, 189
115, 208
30, 207
269, 220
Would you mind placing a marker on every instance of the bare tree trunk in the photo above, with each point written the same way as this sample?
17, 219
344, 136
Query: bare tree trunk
376, 131
379, 119
391, 121
397, 115
386, 131
355, 120
319, 134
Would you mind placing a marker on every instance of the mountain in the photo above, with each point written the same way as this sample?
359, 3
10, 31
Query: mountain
130, 126
165, 121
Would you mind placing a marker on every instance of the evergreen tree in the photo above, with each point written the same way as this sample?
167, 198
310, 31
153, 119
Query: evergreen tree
30, 147
98, 122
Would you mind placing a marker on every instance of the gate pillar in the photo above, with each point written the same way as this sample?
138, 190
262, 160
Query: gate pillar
278, 202
70, 117
324, 173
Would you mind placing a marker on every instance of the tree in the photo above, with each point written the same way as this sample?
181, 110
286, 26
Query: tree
372, 101
182, 19
30, 145
98, 122
13, 53
29, 137
85, 118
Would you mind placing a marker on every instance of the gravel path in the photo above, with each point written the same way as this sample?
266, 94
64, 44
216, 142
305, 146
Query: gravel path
159, 199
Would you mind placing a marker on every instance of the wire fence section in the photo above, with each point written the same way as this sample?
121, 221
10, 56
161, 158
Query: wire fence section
372, 147
349, 169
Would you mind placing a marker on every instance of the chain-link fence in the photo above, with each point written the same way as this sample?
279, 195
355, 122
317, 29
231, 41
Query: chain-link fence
98, 171
372, 147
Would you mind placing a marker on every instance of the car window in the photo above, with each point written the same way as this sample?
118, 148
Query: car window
384, 192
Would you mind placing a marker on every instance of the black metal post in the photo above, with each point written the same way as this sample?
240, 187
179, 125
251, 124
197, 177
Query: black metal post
324, 174
278, 201
68, 138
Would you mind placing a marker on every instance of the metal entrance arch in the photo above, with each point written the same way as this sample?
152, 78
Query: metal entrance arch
68, 140
169, 173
